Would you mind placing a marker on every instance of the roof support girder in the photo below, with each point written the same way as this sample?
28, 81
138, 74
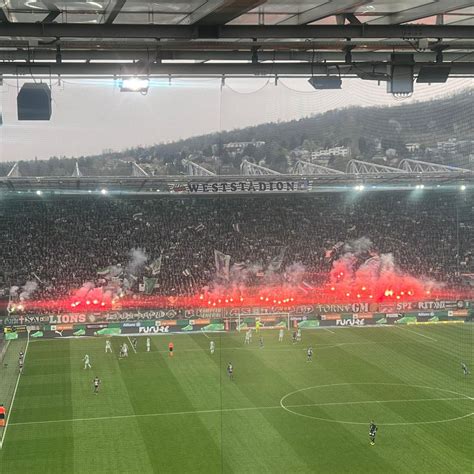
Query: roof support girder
219, 12
197, 170
306, 168
208, 69
124, 31
206, 55
112, 14
422, 11
251, 169
322, 11
363, 167
137, 170
417, 166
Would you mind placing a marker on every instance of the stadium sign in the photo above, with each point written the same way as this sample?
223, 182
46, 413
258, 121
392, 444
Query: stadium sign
422, 305
343, 308
354, 321
240, 186
153, 329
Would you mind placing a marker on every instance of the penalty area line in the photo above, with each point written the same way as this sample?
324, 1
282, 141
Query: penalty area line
418, 334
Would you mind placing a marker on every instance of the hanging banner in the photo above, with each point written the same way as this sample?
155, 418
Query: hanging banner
248, 186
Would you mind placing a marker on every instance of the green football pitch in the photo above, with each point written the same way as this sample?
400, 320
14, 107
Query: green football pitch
280, 414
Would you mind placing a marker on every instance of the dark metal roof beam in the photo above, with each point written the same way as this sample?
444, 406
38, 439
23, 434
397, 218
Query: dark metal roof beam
209, 55
54, 12
335, 7
422, 11
211, 69
99, 32
224, 11
114, 11
3, 16
352, 19
51, 16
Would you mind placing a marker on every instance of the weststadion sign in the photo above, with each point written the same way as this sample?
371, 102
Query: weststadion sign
250, 186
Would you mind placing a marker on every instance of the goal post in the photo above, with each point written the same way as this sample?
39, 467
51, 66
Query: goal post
265, 321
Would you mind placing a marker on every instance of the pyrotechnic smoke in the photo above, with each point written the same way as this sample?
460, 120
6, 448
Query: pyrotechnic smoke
138, 258
27, 290
361, 271
358, 246
91, 295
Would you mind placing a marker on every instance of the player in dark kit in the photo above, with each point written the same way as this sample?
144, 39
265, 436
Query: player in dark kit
230, 371
464, 368
372, 432
96, 385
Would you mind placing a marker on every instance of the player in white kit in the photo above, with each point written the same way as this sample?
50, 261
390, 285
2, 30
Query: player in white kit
148, 344
212, 347
280, 335
87, 364
108, 346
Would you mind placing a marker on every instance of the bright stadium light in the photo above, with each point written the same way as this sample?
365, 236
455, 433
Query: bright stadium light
463, 187
39, 192
103, 191
134, 84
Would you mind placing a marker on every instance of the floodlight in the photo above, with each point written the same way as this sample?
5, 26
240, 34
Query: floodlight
433, 74
401, 74
326, 82
134, 84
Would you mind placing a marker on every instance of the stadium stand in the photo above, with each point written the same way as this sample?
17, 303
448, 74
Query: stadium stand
64, 242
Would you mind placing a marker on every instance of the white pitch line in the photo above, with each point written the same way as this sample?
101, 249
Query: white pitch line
14, 395
326, 329
364, 402
200, 412
418, 334
133, 347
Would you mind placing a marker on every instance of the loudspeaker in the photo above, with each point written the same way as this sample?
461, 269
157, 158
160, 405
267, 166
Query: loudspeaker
34, 102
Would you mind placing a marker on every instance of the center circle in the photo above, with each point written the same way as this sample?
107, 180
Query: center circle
339, 400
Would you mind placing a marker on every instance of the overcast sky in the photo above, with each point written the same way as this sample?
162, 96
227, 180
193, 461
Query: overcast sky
89, 117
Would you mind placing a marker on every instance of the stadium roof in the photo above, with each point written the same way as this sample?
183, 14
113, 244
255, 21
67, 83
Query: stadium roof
232, 37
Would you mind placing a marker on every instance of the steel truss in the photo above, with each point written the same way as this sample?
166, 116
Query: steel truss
417, 166
306, 168
137, 170
77, 172
363, 167
197, 170
251, 169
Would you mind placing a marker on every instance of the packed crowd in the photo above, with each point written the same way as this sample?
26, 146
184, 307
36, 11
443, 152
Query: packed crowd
63, 242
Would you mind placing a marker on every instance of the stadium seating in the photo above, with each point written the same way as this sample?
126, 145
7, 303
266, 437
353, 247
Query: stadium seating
63, 242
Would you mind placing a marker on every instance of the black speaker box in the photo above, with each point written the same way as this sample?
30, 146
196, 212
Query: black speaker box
34, 102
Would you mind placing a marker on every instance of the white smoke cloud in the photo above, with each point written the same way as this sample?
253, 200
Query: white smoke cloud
138, 258
27, 290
